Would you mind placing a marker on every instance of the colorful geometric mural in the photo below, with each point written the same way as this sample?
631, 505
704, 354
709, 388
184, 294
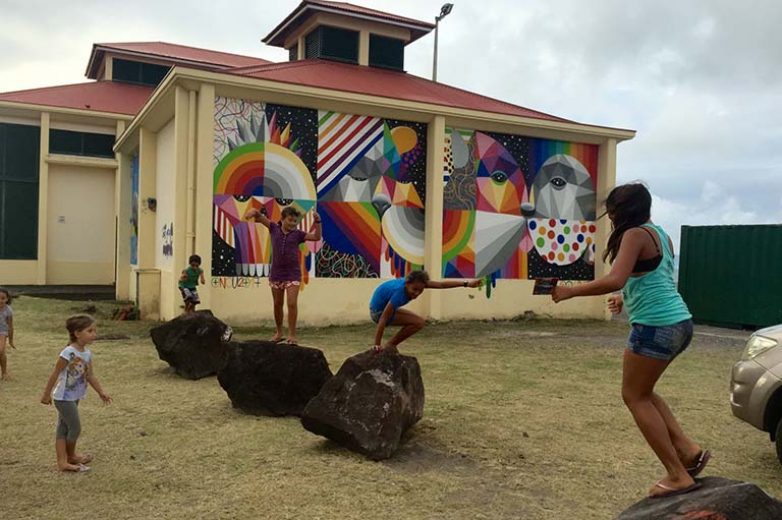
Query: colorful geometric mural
134, 180
364, 175
518, 207
371, 188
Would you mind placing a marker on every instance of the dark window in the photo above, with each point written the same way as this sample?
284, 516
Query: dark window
81, 143
138, 72
293, 53
19, 161
332, 43
312, 45
386, 52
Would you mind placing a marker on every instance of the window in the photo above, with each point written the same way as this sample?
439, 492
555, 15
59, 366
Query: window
386, 52
81, 143
138, 72
293, 53
19, 159
332, 43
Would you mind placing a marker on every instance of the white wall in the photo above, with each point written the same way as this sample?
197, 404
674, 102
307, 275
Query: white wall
164, 214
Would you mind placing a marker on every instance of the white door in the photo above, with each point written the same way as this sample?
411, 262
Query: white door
80, 226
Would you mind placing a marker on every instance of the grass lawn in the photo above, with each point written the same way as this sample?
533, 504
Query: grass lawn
522, 420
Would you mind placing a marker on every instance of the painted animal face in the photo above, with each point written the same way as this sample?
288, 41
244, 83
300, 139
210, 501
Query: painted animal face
367, 167
500, 181
563, 189
563, 228
484, 227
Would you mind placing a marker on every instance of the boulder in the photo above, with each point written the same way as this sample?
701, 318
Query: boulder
369, 405
717, 499
265, 378
193, 344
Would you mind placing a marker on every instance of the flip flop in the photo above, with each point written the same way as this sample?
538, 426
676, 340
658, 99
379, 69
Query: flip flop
701, 460
672, 492
292, 342
278, 340
86, 458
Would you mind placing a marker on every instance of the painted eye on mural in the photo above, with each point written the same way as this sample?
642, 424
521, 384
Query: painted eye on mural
558, 182
284, 202
499, 177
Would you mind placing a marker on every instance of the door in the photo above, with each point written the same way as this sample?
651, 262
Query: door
80, 226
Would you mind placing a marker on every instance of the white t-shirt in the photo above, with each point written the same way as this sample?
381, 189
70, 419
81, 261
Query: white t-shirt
72, 381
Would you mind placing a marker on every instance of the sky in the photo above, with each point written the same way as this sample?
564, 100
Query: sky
699, 80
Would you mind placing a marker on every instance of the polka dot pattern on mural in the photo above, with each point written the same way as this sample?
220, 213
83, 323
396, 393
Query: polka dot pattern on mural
562, 242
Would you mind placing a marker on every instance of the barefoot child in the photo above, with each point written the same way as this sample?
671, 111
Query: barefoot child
285, 276
6, 330
188, 283
641, 255
69, 379
388, 298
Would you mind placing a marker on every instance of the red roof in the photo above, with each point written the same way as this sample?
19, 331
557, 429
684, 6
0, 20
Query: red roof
171, 52
383, 83
308, 8
344, 6
101, 96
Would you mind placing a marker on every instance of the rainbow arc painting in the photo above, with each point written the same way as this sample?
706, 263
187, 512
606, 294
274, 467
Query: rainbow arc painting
364, 175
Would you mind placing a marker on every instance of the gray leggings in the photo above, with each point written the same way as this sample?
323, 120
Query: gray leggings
69, 425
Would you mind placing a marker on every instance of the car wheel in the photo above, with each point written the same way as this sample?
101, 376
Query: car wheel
778, 440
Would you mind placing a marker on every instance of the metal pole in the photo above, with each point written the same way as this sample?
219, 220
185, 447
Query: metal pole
434, 65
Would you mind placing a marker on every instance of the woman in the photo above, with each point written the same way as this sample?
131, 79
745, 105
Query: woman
641, 255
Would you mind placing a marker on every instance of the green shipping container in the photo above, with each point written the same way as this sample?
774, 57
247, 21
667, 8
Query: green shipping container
731, 276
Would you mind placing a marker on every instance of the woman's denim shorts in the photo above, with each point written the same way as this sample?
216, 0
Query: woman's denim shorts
663, 343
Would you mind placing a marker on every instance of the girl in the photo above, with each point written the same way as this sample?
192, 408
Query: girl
71, 374
6, 330
641, 255
285, 276
388, 298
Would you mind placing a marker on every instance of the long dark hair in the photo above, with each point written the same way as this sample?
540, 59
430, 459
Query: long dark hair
628, 206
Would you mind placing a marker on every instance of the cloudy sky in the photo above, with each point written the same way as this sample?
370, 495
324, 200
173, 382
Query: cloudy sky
700, 80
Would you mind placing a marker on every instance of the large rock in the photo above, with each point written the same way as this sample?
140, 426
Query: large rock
265, 378
368, 406
193, 344
717, 499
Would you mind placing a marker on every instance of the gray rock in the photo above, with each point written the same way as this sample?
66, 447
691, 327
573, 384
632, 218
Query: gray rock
369, 405
193, 344
717, 499
265, 378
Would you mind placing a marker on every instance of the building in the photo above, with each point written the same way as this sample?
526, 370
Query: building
406, 174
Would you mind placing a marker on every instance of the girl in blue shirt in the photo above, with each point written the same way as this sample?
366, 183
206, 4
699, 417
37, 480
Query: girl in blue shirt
388, 298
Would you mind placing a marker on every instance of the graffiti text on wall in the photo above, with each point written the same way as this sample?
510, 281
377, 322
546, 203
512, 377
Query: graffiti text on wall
167, 234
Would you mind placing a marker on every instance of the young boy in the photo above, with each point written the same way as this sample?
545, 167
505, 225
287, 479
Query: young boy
384, 308
188, 282
285, 276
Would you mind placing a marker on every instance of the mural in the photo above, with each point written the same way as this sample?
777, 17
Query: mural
364, 175
518, 207
134, 179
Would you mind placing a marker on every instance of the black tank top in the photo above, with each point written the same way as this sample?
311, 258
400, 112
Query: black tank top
650, 264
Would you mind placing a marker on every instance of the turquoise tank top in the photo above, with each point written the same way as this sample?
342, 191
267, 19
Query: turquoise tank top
652, 298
